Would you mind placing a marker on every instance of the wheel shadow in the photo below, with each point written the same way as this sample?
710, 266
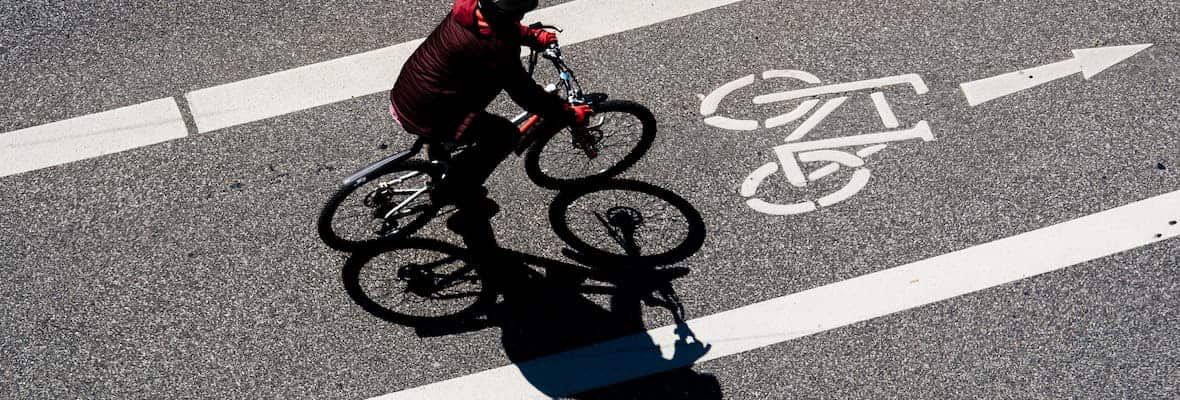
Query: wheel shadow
624, 239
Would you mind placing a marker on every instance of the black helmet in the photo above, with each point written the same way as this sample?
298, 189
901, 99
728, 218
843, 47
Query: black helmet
507, 9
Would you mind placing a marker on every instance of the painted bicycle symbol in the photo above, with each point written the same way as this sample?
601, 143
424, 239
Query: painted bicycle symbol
792, 155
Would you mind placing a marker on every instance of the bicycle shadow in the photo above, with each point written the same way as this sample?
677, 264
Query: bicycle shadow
564, 343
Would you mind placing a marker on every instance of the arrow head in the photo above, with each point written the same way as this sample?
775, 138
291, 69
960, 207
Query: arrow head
1095, 60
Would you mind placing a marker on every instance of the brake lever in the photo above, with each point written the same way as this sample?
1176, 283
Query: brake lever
538, 25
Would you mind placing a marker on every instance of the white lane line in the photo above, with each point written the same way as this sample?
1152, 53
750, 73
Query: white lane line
375, 71
825, 308
298, 89
295, 89
90, 136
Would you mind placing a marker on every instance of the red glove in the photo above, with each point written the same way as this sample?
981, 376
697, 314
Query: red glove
538, 38
581, 113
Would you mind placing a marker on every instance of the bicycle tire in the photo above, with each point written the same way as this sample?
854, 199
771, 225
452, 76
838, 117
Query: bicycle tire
647, 136
693, 238
330, 235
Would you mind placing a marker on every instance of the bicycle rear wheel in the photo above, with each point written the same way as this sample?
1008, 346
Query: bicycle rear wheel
386, 207
619, 134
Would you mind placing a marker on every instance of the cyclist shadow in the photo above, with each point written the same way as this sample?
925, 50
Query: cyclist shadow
564, 343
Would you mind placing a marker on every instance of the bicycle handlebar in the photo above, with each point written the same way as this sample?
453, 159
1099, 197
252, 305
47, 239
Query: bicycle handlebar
538, 25
553, 54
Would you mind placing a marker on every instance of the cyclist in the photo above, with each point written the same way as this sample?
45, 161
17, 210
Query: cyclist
443, 88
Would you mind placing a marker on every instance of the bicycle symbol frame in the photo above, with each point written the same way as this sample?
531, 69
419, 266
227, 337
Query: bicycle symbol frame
792, 155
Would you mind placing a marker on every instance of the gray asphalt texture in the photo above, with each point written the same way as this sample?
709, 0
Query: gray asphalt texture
192, 268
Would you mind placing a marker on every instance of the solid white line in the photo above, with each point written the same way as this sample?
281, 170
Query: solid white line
375, 71
90, 136
828, 307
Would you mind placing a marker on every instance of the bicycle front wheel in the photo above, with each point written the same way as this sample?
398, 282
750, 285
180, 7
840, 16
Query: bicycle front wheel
381, 208
617, 136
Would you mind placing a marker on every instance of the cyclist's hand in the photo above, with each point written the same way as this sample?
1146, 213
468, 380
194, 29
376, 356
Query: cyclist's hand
581, 114
539, 38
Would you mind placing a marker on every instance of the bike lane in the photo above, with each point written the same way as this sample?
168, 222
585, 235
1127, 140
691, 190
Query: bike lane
1052, 153
279, 314
1045, 155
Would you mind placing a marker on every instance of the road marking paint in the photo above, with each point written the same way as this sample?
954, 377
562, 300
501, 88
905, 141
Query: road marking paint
732, 124
710, 102
914, 80
868, 151
813, 121
1088, 62
885, 110
824, 171
297, 89
375, 71
920, 131
860, 178
90, 136
824, 308
784, 119
818, 150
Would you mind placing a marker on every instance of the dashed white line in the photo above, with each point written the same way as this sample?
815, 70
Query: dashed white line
90, 136
824, 308
298, 89
295, 89
375, 71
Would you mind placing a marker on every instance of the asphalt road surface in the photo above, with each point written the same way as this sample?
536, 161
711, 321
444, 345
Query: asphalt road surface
191, 268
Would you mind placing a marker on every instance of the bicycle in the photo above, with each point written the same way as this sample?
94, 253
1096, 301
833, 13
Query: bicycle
393, 194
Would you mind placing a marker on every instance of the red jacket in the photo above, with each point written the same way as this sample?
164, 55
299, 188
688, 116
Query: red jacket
459, 70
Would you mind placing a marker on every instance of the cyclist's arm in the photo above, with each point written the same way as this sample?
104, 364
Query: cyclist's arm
532, 97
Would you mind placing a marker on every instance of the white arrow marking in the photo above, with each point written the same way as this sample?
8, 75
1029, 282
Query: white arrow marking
1087, 61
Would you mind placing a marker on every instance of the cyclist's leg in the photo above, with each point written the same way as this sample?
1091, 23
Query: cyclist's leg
492, 138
